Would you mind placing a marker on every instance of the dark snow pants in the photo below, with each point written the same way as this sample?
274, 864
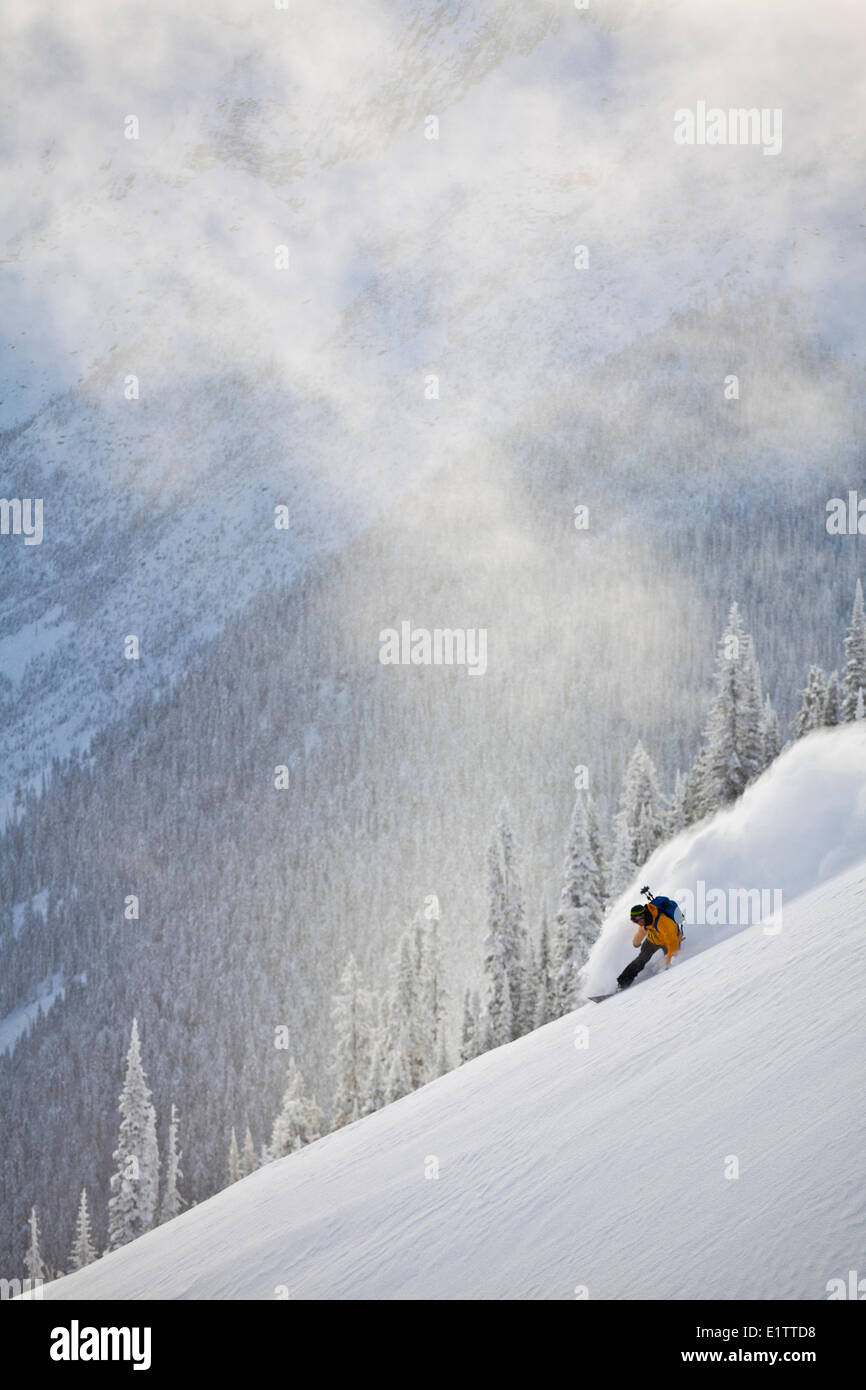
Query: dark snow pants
647, 950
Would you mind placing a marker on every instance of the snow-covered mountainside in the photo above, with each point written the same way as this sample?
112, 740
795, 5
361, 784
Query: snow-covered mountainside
166, 382
701, 1136
434, 278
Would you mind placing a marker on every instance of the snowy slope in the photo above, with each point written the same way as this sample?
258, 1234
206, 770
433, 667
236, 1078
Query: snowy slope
562, 1165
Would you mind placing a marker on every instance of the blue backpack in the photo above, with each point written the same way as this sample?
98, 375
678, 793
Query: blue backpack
672, 910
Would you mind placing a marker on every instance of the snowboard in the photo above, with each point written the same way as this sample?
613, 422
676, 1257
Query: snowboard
641, 979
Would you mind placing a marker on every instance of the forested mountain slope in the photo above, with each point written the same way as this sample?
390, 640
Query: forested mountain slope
700, 1135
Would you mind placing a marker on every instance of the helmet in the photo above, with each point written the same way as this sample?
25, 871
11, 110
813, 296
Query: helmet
637, 912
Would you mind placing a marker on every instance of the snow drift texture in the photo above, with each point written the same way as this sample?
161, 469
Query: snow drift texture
596, 1157
798, 825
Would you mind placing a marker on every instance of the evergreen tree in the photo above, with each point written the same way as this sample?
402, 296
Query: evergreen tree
249, 1162
134, 1184
471, 1040
234, 1159
546, 998
860, 711
622, 866
639, 824
398, 1080
350, 1057
33, 1262
500, 1025
812, 709
854, 679
734, 737
771, 733
599, 849
83, 1250
529, 991
432, 997
832, 711
698, 800
410, 1024
644, 805
580, 908
172, 1202
675, 815
299, 1120
374, 1094
753, 755
514, 921
497, 950
443, 1063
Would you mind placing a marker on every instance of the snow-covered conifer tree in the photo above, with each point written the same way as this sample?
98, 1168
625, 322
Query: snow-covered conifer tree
432, 996
622, 865
350, 1057
529, 991
249, 1162
832, 711
639, 824
770, 732
234, 1158
374, 1093
398, 1079
734, 736
599, 848
854, 679
299, 1120
471, 1044
580, 909
546, 995
812, 710
135, 1181
411, 1025
699, 799
751, 721
675, 812
83, 1249
497, 950
443, 1061
514, 921
172, 1203
500, 1025
33, 1261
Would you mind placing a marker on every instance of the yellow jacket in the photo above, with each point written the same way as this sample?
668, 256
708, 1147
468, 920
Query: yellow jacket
662, 931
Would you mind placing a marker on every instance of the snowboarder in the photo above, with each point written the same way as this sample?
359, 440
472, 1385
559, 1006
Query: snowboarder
656, 931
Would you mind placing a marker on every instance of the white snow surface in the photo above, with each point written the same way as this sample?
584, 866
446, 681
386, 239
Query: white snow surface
593, 1153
